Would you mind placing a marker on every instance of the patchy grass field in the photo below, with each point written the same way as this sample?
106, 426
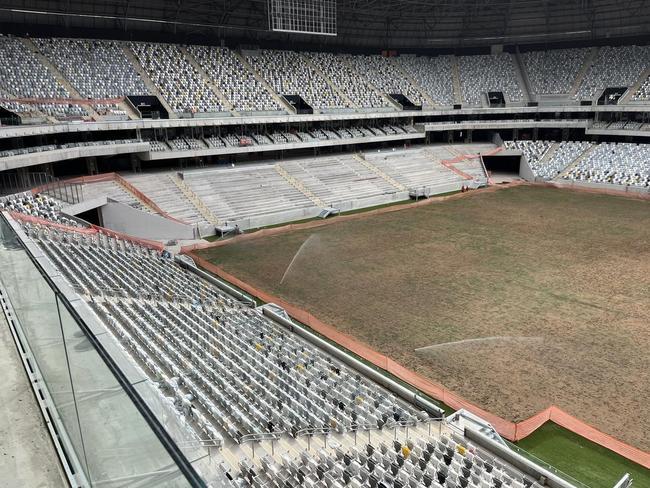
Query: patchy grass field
583, 460
516, 299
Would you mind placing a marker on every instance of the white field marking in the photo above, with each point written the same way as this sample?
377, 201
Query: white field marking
481, 339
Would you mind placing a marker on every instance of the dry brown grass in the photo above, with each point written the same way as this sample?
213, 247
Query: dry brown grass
560, 278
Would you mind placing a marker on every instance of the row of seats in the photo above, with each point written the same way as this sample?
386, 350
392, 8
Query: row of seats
41, 206
447, 461
51, 147
236, 82
481, 74
184, 143
251, 377
553, 72
614, 67
561, 155
290, 74
99, 69
615, 163
179, 82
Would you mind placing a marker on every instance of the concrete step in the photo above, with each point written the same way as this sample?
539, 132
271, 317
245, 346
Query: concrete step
455, 76
298, 185
522, 76
210, 82
204, 211
151, 87
260, 79
396, 184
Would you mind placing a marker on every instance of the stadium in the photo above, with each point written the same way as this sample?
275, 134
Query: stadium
325, 244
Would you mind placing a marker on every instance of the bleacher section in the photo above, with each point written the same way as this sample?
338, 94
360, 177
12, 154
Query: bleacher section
384, 75
347, 80
97, 69
614, 67
161, 188
337, 179
250, 191
433, 74
618, 164
237, 378
418, 168
237, 84
547, 159
482, 74
113, 190
289, 74
178, 81
553, 72
202, 79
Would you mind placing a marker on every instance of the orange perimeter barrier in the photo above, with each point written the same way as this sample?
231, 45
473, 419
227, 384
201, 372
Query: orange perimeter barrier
120, 181
512, 431
93, 229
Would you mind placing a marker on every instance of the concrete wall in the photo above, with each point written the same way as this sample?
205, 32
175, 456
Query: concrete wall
122, 218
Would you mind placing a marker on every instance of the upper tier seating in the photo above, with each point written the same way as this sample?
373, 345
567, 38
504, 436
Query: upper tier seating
553, 71
97, 69
481, 74
289, 74
237, 84
178, 81
620, 164
23, 75
614, 67
433, 74
384, 75
347, 80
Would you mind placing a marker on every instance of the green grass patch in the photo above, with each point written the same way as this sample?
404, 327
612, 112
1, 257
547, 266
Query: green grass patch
581, 459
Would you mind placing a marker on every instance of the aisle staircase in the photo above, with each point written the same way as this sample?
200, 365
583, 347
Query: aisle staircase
281, 101
58, 76
151, 87
586, 64
455, 76
362, 160
205, 212
331, 84
299, 186
208, 81
575, 162
635, 88
425, 96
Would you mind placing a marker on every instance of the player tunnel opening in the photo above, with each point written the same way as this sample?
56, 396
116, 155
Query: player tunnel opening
506, 166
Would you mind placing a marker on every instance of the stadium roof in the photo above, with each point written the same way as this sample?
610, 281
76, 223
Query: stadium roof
362, 24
